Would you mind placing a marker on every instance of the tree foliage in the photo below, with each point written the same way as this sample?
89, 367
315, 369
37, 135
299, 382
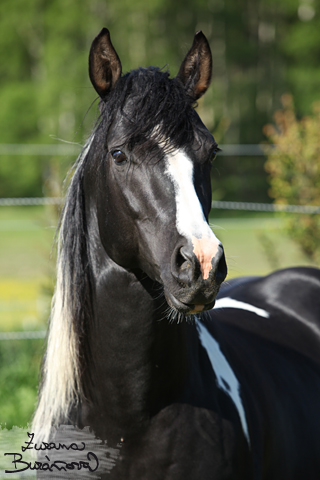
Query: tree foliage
260, 49
294, 171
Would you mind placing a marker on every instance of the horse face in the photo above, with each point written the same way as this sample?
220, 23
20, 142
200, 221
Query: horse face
157, 196
198, 264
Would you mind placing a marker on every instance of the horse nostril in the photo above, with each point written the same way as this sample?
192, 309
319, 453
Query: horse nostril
187, 253
182, 265
180, 259
221, 268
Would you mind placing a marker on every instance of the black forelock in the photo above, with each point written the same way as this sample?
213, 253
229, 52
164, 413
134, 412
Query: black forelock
153, 106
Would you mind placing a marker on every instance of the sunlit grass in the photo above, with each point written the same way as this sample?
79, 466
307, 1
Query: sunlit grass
256, 245
26, 267
24, 304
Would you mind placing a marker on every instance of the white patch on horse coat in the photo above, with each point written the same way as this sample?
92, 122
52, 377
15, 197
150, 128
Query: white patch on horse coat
228, 302
226, 379
191, 222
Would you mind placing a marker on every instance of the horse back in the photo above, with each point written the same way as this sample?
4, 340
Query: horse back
286, 308
268, 329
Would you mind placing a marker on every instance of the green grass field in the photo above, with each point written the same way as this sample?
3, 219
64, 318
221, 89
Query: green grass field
26, 270
254, 245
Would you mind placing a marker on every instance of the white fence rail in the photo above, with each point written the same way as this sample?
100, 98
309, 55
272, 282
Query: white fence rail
266, 207
23, 335
249, 206
18, 202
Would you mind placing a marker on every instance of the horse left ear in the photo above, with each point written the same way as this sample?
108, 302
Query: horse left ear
196, 69
104, 64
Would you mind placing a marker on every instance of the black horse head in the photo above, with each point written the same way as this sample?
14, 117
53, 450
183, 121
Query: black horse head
153, 192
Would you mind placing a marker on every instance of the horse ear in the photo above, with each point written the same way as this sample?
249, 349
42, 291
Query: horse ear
196, 69
104, 64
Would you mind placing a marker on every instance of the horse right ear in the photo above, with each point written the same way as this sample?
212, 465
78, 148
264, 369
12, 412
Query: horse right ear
196, 69
104, 64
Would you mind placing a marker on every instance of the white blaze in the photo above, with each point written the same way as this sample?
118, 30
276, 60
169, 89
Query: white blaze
191, 222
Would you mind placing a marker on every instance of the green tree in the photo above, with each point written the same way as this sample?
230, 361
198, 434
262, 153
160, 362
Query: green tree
261, 48
294, 171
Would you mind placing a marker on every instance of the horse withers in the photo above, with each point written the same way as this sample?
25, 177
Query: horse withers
137, 357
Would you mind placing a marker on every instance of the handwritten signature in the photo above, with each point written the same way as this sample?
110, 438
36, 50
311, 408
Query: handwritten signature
91, 464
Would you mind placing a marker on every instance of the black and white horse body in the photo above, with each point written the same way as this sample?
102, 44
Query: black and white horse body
269, 330
135, 350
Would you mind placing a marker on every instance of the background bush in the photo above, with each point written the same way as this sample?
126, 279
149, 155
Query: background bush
294, 171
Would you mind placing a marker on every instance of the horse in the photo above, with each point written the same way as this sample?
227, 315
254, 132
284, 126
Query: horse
187, 375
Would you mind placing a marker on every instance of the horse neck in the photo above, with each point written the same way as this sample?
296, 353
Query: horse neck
136, 354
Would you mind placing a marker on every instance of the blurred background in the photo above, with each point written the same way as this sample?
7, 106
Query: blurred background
262, 109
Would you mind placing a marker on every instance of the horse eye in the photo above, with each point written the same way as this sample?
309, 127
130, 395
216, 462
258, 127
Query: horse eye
214, 154
119, 157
